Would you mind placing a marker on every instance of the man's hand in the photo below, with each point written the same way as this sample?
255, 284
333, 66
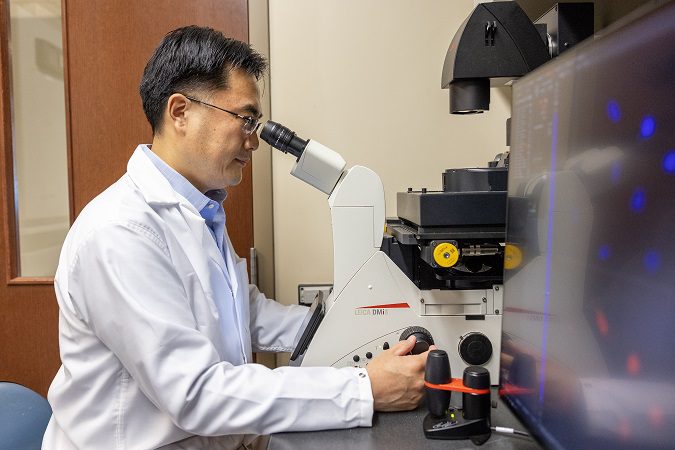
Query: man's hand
396, 378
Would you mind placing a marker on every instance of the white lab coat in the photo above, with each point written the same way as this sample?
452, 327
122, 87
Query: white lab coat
144, 297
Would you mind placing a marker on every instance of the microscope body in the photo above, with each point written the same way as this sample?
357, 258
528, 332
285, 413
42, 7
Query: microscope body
373, 304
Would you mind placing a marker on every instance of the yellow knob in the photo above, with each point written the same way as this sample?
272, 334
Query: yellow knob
446, 254
513, 256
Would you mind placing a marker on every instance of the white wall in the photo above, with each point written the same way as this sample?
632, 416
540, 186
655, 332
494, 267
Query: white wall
363, 77
258, 35
263, 234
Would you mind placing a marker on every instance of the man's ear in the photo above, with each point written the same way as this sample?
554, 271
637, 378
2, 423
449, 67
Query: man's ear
177, 107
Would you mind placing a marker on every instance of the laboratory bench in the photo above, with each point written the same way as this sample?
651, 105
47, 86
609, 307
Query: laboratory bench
402, 430
392, 430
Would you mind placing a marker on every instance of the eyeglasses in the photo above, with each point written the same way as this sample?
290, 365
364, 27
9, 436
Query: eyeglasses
251, 124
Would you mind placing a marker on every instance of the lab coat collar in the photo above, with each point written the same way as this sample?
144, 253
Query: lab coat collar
154, 187
156, 190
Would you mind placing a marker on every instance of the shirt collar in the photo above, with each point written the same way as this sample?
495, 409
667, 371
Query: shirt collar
182, 186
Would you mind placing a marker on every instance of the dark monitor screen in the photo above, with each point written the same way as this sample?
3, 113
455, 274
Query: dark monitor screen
588, 356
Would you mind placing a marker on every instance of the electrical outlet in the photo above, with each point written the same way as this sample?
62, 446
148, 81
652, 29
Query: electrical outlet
307, 293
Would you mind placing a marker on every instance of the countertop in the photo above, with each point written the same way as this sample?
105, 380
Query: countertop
402, 430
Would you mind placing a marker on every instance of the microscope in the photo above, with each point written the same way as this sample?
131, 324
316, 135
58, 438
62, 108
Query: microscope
374, 304
437, 271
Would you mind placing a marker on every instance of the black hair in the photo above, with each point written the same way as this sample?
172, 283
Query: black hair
193, 58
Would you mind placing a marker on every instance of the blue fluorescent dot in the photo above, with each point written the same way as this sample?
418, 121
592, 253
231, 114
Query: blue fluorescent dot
647, 127
617, 168
613, 111
604, 252
669, 161
652, 261
638, 200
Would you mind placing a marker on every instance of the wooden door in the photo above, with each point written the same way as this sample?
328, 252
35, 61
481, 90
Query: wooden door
106, 45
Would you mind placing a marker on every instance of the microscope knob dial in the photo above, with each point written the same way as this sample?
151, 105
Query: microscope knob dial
446, 254
475, 349
424, 339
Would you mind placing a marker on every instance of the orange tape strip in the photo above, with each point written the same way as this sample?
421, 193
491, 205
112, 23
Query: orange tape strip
456, 385
510, 389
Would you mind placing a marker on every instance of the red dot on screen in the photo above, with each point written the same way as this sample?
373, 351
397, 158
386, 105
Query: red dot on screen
625, 430
601, 322
656, 416
633, 364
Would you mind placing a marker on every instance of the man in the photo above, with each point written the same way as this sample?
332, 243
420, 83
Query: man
157, 319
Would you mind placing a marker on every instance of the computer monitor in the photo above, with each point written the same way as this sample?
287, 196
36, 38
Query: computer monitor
588, 346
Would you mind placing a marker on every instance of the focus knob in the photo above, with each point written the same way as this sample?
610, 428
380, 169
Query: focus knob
424, 339
475, 349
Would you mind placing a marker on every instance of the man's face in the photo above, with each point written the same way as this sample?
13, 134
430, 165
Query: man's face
219, 147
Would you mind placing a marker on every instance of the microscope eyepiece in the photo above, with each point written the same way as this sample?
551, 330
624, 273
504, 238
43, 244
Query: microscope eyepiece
282, 138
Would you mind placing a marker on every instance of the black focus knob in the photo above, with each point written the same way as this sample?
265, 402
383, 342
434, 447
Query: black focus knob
424, 339
475, 349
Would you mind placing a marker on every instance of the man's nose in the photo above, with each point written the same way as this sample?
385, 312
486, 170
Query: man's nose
252, 142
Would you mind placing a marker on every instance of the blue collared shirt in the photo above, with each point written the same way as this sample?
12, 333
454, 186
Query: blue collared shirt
209, 205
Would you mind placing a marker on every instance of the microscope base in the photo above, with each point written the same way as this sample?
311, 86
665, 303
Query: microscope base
454, 426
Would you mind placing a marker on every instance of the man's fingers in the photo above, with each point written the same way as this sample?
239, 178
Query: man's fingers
404, 347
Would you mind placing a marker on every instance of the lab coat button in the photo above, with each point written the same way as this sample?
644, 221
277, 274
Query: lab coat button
356, 358
369, 355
